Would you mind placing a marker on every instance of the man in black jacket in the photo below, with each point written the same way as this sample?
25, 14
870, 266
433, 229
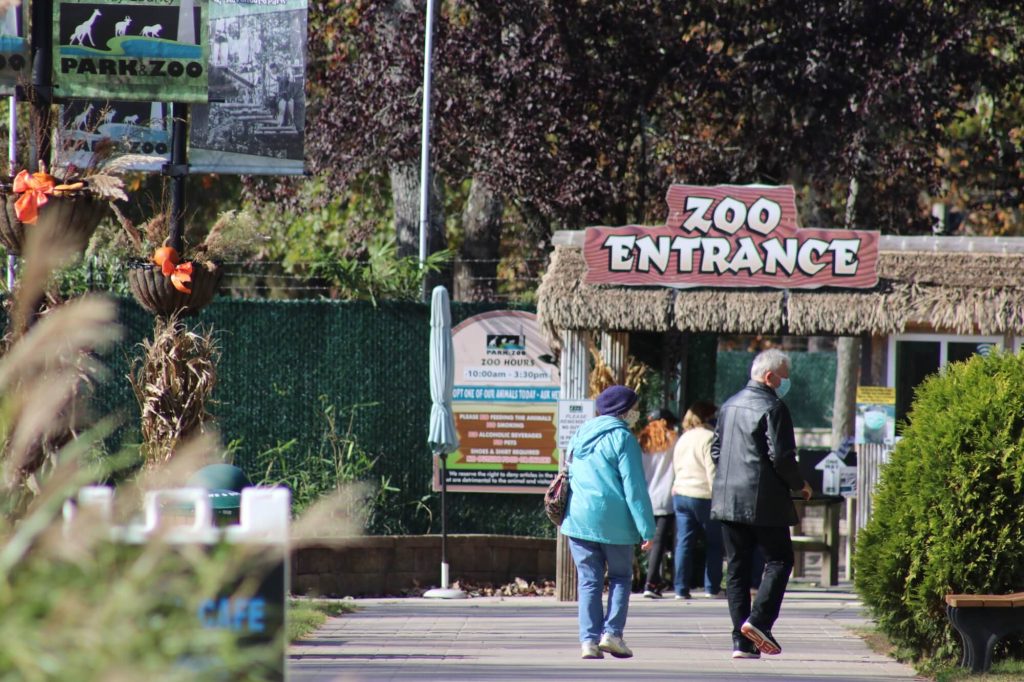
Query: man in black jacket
754, 451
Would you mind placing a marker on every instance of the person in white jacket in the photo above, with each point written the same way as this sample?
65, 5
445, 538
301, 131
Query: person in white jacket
691, 498
656, 441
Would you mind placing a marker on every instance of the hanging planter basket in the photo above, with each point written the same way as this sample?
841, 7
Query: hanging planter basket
154, 291
70, 217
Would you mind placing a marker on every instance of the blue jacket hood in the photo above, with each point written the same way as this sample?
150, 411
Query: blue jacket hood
591, 432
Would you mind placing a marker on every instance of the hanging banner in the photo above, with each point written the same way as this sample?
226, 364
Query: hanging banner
94, 130
505, 404
255, 121
131, 50
731, 236
14, 57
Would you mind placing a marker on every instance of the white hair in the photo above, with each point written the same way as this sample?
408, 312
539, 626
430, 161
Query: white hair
771, 360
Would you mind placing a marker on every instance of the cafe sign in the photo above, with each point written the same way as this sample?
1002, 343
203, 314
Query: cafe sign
731, 236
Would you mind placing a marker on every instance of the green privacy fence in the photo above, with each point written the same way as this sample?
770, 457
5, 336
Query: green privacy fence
282, 362
811, 396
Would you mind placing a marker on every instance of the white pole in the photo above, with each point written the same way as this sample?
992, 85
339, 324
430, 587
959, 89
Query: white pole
425, 142
12, 159
12, 139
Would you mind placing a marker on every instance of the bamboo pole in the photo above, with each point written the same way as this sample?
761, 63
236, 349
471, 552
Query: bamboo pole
575, 368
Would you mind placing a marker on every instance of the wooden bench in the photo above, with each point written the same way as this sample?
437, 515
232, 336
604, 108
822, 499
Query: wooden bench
827, 544
982, 620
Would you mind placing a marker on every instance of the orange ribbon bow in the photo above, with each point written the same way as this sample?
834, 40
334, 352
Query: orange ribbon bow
180, 273
33, 189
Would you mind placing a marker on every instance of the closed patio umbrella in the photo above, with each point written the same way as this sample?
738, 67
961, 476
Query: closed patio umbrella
442, 436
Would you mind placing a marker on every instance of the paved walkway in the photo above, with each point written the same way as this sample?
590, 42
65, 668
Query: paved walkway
534, 639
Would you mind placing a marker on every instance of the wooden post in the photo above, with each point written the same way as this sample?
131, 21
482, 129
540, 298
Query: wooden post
574, 367
851, 534
177, 170
614, 349
41, 94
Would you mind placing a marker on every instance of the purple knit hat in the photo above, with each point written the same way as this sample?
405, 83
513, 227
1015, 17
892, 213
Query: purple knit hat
616, 400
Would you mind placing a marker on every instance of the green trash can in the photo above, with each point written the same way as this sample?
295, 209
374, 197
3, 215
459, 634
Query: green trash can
224, 483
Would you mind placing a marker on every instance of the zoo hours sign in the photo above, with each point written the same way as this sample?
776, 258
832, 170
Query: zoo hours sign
731, 236
505, 404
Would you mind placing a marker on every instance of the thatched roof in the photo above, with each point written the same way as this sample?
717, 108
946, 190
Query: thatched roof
733, 311
565, 298
959, 285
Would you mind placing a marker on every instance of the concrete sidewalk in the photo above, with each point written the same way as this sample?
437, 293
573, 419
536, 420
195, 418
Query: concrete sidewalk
523, 638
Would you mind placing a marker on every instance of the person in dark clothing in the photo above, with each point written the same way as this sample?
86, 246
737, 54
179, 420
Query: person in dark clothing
285, 95
754, 450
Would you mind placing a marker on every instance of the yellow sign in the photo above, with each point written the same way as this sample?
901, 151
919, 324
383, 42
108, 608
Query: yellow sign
876, 395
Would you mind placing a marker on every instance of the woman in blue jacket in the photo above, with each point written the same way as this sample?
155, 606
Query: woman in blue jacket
609, 512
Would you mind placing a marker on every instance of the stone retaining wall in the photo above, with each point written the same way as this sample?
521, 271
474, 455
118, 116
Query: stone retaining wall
393, 565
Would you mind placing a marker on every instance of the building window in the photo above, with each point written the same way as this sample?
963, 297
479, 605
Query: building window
912, 357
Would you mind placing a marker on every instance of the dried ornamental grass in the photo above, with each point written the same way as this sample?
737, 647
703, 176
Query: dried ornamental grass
173, 382
41, 380
47, 360
636, 374
73, 605
602, 376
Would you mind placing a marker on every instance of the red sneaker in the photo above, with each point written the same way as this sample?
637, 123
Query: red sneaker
762, 639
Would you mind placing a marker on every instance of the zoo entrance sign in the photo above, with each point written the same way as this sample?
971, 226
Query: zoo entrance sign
731, 236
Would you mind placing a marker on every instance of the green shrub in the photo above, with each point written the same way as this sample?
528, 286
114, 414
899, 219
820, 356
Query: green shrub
306, 615
948, 514
338, 462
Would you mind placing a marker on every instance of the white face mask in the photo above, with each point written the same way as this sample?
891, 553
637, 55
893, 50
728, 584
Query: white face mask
631, 417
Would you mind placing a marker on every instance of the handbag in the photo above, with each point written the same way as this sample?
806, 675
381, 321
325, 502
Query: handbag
556, 497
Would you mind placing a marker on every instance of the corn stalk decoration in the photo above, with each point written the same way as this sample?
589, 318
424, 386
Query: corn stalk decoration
173, 383
602, 376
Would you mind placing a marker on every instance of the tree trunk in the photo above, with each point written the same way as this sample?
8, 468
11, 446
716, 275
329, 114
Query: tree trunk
845, 397
538, 238
437, 238
476, 269
844, 400
405, 196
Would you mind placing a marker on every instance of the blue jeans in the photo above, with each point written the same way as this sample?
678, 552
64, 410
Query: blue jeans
693, 518
591, 558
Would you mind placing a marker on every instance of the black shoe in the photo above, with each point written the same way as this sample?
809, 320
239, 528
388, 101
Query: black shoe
744, 648
652, 591
683, 595
762, 639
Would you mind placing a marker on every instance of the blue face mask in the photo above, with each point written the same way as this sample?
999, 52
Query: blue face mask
783, 388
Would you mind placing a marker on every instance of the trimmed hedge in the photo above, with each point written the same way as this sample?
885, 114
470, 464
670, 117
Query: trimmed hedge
948, 514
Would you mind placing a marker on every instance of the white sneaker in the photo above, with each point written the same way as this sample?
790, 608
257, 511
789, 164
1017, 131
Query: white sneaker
591, 650
651, 594
615, 646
